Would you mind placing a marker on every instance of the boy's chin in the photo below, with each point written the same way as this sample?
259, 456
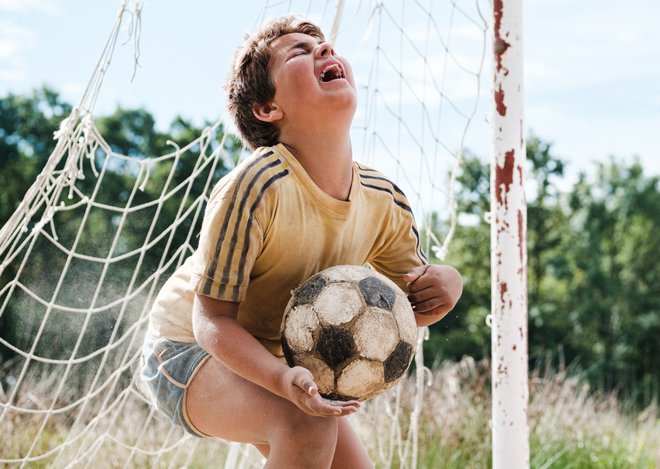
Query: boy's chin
345, 112
346, 101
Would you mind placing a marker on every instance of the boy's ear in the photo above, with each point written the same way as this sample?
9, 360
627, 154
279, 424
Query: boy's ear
268, 112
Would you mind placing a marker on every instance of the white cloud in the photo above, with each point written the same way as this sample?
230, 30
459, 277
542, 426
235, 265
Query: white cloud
12, 74
50, 7
14, 42
15, 39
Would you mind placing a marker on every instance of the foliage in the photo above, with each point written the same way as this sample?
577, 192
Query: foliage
614, 275
27, 124
26, 127
593, 276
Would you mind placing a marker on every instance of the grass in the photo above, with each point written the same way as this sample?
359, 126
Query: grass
571, 427
575, 427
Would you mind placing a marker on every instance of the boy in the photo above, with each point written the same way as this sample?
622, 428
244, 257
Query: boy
299, 204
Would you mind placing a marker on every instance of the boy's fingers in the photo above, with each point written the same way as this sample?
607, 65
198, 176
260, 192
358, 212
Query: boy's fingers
316, 403
355, 404
321, 406
438, 296
330, 408
429, 306
414, 274
344, 407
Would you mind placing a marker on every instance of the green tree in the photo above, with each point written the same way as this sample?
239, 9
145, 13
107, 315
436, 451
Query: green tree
593, 278
27, 125
547, 232
614, 277
464, 330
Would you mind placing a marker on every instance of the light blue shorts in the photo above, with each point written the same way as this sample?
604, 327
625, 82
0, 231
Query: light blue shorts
168, 368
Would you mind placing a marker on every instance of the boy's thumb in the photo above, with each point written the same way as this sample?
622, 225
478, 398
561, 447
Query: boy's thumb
307, 385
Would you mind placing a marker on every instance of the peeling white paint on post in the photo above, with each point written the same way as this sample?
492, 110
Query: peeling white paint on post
510, 427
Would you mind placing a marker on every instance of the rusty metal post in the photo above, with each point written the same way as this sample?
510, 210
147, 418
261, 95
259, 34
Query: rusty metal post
508, 215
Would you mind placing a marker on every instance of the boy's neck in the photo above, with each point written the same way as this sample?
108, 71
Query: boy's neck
328, 162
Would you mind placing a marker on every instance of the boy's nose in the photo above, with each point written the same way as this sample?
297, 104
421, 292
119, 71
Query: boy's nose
324, 49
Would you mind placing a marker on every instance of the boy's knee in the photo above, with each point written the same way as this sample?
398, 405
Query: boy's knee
307, 425
316, 434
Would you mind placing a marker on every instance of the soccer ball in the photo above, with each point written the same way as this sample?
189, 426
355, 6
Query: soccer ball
353, 328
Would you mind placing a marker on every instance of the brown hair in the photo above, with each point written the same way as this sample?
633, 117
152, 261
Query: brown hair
249, 80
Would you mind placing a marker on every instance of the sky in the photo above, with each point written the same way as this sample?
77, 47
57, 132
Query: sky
592, 67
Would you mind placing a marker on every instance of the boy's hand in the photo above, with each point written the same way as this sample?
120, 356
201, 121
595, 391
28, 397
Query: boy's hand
301, 389
433, 291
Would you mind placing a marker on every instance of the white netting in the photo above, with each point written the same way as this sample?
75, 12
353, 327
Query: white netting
80, 264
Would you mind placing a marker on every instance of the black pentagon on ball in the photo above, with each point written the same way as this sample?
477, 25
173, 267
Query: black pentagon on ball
288, 352
377, 293
335, 346
308, 291
397, 363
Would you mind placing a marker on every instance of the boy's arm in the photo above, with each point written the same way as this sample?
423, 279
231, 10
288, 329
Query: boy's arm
217, 330
433, 291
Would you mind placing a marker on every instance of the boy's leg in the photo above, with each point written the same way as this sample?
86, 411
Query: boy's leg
222, 404
348, 453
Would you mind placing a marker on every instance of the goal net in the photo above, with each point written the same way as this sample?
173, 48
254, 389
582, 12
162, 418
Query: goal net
81, 260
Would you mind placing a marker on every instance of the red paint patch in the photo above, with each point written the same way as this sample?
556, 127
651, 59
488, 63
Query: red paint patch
499, 44
503, 289
504, 176
499, 102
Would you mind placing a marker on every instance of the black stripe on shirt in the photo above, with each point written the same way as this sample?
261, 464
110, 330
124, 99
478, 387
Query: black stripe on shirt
384, 189
391, 189
213, 266
420, 253
257, 200
385, 180
241, 210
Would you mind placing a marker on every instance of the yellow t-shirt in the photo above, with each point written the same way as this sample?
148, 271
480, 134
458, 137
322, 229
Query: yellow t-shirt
268, 227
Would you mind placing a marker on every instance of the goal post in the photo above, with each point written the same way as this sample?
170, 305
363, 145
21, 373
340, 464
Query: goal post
509, 363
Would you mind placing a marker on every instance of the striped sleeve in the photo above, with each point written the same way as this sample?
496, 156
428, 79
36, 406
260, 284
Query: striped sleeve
402, 248
231, 236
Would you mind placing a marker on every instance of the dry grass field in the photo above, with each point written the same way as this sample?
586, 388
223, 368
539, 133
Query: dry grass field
571, 426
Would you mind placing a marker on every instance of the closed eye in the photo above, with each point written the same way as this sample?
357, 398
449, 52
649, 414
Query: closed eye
300, 48
297, 53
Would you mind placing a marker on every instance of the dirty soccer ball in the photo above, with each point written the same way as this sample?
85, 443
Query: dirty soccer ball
353, 328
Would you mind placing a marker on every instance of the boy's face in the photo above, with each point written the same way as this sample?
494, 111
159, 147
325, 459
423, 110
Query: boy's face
310, 81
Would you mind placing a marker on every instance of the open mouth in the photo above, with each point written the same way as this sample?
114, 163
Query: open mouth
331, 72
